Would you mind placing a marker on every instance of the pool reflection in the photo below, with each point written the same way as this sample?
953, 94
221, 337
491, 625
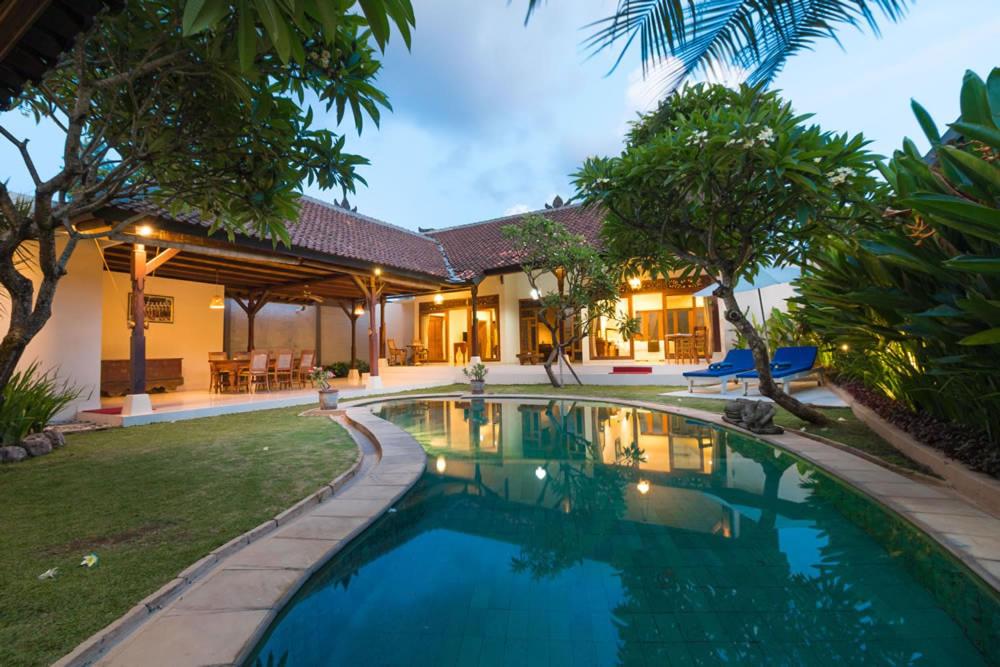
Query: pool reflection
580, 533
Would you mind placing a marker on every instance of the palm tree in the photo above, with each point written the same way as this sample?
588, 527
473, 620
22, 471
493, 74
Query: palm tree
755, 37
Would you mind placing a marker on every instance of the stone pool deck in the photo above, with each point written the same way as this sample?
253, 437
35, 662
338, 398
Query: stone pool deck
218, 609
215, 612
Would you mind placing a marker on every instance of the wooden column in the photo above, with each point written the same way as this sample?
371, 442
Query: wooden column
373, 332
353, 317
381, 327
251, 307
137, 341
474, 334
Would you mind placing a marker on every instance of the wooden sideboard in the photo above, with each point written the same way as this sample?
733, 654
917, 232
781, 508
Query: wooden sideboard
161, 374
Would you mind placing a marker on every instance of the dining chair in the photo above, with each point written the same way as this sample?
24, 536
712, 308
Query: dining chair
304, 366
218, 377
257, 373
701, 344
282, 373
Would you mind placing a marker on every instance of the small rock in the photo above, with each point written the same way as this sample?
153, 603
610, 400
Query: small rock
37, 444
55, 437
12, 454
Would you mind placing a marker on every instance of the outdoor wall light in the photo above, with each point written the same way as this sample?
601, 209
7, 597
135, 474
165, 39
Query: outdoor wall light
359, 310
699, 302
534, 294
643, 486
440, 465
378, 271
439, 299
144, 230
540, 472
635, 282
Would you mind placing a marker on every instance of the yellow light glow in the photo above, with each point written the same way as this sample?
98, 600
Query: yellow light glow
378, 271
540, 473
144, 230
845, 347
439, 299
534, 294
643, 486
359, 310
217, 302
440, 465
635, 282
699, 302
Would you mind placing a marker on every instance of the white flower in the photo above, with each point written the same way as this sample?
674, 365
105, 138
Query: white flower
49, 574
90, 560
766, 135
841, 174
817, 159
266, 449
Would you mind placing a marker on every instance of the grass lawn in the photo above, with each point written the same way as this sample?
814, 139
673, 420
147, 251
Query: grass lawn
149, 501
844, 428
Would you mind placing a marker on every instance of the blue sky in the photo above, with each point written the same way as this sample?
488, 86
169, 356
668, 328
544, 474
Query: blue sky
491, 116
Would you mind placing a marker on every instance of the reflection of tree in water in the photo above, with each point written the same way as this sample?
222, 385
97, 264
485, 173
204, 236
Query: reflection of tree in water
591, 496
765, 609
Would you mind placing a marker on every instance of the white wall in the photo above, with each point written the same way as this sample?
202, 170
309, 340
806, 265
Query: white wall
70, 342
195, 331
775, 296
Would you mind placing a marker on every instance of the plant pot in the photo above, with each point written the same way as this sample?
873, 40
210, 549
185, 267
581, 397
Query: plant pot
328, 399
478, 386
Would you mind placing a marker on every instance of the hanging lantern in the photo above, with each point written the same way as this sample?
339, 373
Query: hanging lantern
217, 302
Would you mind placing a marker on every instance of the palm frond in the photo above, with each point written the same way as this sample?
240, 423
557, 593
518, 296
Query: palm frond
679, 37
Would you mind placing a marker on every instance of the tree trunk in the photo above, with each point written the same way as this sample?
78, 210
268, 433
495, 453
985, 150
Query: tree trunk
547, 365
762, 361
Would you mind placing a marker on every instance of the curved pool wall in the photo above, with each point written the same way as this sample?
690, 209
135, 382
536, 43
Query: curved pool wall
550, 532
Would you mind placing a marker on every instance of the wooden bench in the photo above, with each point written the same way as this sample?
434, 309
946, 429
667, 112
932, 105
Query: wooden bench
161, 374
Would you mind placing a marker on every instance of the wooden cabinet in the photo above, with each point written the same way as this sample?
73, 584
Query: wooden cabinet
161, 374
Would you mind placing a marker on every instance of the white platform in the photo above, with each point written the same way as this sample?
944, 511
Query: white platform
805, 391
179, 405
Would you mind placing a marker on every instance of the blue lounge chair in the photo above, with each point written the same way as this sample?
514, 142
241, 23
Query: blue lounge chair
736, 362
787, 364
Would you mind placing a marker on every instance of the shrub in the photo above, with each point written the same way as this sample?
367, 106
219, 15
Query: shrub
362, 366
339, 369
30, 400
913, 305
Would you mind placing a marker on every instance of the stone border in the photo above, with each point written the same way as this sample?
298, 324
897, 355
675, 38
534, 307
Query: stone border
980, 489
969, 534
271, 548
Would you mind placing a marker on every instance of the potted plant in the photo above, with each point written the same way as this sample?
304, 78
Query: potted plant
328, 396
477, 377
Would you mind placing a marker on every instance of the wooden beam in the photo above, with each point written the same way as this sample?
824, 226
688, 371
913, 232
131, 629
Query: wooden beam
474, 334
161, 259
137, 339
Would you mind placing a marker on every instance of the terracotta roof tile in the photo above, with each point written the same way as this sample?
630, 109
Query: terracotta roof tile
481, 246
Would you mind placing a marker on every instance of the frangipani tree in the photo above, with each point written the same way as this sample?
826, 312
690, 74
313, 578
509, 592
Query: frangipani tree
195, 104
586, 285
724, 182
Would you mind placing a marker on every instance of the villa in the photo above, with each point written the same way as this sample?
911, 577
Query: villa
207, 295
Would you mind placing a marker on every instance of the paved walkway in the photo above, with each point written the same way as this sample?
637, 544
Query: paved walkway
807, 392
219, 615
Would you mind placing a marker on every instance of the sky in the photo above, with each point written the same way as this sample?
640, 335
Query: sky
491, 116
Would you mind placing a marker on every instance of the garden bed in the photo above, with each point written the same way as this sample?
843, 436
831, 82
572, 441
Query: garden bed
962, 443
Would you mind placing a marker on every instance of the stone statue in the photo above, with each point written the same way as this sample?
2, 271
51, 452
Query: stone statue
755, 416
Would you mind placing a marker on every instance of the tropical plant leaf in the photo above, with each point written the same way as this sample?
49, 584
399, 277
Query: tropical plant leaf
987, 337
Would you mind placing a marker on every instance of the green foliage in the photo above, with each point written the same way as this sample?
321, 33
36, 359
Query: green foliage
678, 38
726, 181
339, 369
476, 372
916, 302
783, 330
30, 400
586, 285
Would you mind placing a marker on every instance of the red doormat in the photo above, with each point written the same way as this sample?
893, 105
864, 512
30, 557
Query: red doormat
631, 370
106, 411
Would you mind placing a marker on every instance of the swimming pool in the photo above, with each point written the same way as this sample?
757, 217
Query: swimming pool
554, 532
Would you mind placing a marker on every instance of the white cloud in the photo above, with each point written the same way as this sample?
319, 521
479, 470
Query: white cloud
517, 209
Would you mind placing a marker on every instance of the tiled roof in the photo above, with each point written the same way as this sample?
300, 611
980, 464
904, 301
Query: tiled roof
336, 231
453, 253
481, 246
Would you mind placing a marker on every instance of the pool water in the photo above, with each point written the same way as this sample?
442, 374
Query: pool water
558, 533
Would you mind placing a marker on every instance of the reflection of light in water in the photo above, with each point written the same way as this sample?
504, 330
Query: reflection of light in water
643, 486
440, 464
540, 472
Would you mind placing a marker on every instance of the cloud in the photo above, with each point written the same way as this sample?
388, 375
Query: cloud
517, 209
